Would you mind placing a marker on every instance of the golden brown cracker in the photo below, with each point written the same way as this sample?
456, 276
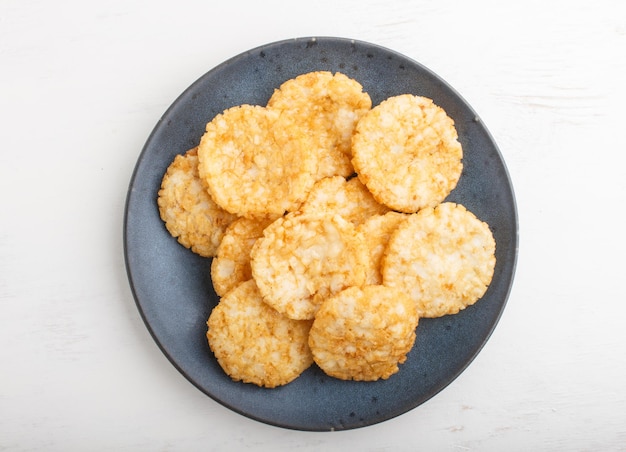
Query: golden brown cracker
376, 232
254, 343
231, 264
348, 198
443, 257
363, 333
405, 150
187, 209
329, 106
302, 259
256, 165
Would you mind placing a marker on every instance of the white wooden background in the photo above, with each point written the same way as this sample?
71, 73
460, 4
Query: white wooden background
83, 83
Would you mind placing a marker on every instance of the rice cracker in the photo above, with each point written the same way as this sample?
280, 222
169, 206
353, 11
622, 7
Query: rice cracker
405, 150
443, 257
255, 164
349, 198
254, 343
376, 232
363, 333
302, 259
231, 264
187, 209
329, 106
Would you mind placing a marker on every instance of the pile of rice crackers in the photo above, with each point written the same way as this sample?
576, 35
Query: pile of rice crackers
327, 227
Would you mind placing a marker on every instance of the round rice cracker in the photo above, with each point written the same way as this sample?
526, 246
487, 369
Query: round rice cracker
349, 198
376, 232
256, 162
443, 257
254, 343
329, 105
187, 209
231, 264
304, 258
405, 150
363, 333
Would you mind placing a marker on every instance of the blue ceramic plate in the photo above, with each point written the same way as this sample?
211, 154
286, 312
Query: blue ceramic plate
172, 286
